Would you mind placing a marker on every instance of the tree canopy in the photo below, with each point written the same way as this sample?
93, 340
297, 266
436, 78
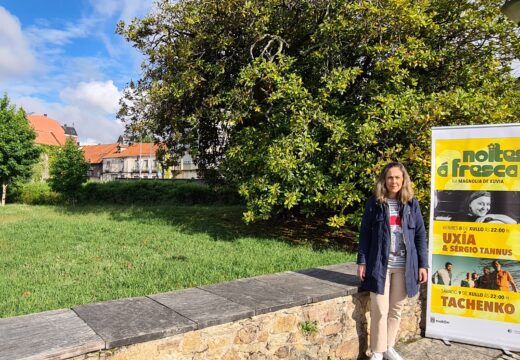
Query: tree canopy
69, 170
18, 151
299, 104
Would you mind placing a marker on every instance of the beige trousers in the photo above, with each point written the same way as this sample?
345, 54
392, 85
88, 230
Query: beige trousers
385, 311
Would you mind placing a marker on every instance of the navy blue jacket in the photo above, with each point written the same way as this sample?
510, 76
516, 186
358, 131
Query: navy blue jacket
374, 244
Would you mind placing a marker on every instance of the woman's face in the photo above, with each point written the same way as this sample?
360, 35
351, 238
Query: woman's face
393, 181
480, 206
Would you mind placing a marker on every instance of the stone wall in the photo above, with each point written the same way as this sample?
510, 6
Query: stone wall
317, 313
342, 325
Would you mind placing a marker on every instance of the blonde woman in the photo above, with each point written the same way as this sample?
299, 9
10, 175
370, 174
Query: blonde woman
392, 256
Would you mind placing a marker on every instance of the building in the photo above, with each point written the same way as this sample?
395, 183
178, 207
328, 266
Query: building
94, 155
133, 161
70, 132
186, 169
48, 130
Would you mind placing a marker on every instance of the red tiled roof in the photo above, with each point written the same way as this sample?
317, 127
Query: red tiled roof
144, 149
94, 153
48, 130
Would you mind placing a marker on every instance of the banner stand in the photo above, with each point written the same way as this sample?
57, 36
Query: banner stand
474, 246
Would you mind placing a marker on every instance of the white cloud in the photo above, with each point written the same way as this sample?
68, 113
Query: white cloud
71, 86
91, 126
94, 95
124, 9
16, 57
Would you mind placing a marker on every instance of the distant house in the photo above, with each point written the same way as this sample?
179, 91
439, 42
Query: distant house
94, 155
186, 169
49, 132
70, 132
133, 161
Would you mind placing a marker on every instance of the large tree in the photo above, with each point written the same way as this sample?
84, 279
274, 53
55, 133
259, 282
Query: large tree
300, 103
68, 170
18, 151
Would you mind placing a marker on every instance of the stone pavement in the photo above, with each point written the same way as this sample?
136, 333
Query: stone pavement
433, 349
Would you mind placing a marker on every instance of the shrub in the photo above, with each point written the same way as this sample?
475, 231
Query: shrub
34, 193
144, 192
155, 192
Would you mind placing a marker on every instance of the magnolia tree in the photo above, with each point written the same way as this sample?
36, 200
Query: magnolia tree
18, 151
299, 104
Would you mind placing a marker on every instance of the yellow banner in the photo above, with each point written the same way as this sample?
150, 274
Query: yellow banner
476, 303
481, 240
477, 164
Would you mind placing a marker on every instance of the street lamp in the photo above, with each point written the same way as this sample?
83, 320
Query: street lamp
511, 9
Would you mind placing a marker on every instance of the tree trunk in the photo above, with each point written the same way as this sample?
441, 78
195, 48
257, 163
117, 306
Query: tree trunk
4, 193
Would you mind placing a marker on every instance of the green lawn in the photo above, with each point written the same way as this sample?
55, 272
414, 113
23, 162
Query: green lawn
57, 257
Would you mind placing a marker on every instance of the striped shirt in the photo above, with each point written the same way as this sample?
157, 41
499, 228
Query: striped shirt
397, 256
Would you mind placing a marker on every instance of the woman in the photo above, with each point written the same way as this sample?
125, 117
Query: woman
392, 256
477, 206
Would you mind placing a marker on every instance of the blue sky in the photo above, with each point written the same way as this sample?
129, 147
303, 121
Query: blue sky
63, 58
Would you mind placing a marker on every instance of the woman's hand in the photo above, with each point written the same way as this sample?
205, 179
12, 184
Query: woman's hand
496, 218
361, 268
423, 275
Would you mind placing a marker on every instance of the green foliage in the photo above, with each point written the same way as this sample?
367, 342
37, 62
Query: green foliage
299, 104
308, 327
68, 171
144, 192
154, 192
47, 156
18, 152
34, 193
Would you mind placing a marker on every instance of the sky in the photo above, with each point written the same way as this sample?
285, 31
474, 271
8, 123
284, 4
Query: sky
62, 58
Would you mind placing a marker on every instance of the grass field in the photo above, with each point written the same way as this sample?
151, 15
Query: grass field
57, 257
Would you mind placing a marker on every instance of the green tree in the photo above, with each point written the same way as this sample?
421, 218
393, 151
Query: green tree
69, 170
18, 151
299, 104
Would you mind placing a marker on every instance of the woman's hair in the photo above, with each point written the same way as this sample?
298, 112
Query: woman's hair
473, 196
405, 194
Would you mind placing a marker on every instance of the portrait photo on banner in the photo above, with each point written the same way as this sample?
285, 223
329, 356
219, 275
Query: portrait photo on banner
500, 207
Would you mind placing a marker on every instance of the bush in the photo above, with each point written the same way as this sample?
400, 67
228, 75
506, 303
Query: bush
34, 193
155, 192
144, 192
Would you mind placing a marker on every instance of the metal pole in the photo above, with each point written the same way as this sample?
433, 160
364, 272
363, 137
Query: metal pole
140, 151
150, 162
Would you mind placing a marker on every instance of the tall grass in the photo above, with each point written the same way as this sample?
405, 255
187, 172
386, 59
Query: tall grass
56, 257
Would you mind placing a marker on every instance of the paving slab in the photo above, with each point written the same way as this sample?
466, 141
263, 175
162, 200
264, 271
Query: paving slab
57, 334
433, 349
257, 295
342, 275
312, 288
133, 320
203, 307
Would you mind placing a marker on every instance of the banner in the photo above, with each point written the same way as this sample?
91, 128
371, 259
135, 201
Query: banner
474, 247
